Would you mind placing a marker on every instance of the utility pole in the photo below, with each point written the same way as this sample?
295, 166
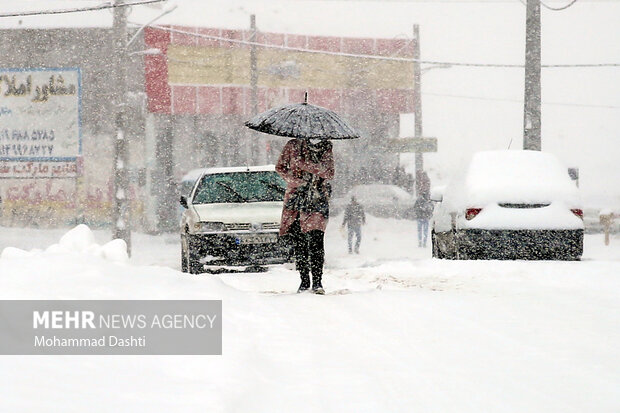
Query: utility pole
253, 85
417, 94
417, 103
531, 110
121, 210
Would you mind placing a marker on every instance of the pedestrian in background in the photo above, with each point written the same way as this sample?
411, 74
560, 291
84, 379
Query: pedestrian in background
423, 209
306, 167
354, 218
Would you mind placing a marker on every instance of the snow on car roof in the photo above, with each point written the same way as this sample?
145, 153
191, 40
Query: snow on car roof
197, 173
194, 174
518, 176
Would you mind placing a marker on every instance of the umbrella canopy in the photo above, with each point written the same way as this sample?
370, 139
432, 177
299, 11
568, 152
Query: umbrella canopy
302, 120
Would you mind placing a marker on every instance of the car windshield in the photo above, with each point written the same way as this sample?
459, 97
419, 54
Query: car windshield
240, 187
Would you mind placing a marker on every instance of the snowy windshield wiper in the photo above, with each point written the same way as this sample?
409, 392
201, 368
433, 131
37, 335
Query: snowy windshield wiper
232, 191
271, 185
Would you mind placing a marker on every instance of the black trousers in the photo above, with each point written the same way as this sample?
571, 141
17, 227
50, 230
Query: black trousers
309, 250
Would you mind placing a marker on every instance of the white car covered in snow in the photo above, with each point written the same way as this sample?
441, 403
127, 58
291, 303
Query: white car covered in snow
232, 216
509, 205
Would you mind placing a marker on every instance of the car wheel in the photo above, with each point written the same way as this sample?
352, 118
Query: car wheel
191, 256
454, 247
183, 253
461, 252
566, 257
436, 251
468, 253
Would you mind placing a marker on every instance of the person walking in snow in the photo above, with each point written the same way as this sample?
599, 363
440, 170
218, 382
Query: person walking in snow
306, 167
423, 209
354, 218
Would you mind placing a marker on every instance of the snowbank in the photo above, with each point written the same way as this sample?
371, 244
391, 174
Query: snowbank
413, 334
518, 176
79, 240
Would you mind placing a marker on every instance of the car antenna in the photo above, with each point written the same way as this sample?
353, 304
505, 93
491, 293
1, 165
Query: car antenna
510, 143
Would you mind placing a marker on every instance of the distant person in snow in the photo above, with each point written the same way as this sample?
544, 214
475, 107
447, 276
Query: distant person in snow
423, 184
423, 209
354, 218
306, 166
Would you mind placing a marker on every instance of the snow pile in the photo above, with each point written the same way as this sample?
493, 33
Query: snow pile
440, 336
518, 176
498, 182
79, 240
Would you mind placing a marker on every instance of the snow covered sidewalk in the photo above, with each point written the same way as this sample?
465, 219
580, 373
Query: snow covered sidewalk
414, 334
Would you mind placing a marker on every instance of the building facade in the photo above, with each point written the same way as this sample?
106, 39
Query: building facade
187, 100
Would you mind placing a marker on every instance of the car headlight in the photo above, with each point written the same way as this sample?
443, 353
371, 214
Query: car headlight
209, 226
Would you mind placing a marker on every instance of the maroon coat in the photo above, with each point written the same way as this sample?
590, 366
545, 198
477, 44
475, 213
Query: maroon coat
292, 166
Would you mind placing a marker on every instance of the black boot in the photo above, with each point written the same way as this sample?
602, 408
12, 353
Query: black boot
317, 258
305, 284
317, 287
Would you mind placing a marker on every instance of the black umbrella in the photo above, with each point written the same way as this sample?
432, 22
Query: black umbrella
302, 120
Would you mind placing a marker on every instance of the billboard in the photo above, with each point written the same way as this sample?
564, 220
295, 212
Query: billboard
194, 65
198, 75
40, 129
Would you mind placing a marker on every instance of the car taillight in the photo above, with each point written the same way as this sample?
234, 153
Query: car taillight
470, 213
578, 212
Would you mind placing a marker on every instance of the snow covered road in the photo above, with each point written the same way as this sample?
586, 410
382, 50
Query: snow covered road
413, 334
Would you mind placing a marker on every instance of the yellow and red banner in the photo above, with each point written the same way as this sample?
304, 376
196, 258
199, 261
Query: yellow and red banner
212, 76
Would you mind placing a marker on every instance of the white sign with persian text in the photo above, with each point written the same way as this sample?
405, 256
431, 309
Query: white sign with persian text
40, 129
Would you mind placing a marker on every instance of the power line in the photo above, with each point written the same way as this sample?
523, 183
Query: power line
373, 57
558, 8
459, 1
206, 64
553, 8
77, 10
577, 65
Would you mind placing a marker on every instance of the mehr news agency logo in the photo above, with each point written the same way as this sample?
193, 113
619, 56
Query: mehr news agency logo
79, 320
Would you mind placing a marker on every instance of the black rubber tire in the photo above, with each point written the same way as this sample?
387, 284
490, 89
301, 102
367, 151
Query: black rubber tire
453, 254
190, 258
461, 254
435, 247
566, 257
194, 266
183, 255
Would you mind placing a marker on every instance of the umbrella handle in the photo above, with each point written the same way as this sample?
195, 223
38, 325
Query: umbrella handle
303, 151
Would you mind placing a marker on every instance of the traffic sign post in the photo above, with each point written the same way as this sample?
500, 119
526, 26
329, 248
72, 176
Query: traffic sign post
417, 145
